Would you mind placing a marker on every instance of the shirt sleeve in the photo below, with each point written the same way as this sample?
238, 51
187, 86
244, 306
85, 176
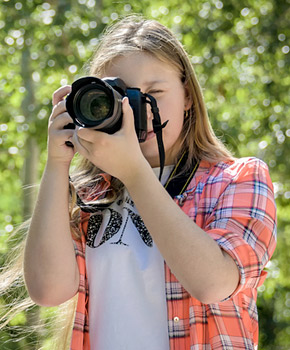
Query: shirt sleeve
243, 221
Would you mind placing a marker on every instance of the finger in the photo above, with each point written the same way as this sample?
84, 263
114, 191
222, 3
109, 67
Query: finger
64, 135
61, 135
128, 117
60, 93
60, 121
59, 108
80, 145
90, 135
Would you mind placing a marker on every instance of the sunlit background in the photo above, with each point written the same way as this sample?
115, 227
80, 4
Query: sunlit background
240, 50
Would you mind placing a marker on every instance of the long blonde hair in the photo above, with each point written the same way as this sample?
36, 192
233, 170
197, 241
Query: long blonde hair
136, 34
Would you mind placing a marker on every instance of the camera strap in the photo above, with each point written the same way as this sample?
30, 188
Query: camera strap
157, 128
179, 178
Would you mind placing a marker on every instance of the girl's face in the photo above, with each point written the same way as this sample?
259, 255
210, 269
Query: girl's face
162, 81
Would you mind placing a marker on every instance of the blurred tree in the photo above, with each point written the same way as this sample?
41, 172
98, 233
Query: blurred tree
240, 51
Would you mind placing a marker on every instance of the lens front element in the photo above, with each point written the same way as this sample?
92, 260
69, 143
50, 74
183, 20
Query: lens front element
95, 105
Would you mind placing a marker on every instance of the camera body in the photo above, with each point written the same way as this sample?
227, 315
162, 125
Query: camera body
97, 103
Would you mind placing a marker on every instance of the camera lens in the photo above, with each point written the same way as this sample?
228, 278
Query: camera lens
95, 105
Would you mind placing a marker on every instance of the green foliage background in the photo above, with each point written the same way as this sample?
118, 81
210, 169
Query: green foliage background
240, 50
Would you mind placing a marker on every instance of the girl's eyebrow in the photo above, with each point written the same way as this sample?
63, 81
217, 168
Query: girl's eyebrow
154, 82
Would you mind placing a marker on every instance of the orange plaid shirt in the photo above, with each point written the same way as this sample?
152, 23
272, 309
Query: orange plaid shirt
234, 203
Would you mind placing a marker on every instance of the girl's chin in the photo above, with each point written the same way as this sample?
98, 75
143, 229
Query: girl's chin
150, 152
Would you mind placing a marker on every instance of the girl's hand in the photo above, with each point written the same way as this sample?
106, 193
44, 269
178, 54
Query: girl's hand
57, 135
119, 154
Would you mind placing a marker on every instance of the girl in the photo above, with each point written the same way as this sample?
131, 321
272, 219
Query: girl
156, 264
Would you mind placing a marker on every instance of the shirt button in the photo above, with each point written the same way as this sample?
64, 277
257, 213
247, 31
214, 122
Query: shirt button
176, 319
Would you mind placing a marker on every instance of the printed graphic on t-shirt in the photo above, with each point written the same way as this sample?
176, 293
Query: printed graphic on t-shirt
119, 214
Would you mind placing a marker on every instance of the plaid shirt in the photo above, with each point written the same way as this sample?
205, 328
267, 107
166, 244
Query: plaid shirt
234, 203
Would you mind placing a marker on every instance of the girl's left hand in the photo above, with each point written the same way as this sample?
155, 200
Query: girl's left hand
118, 154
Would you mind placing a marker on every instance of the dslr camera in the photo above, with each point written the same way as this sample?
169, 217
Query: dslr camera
97, 103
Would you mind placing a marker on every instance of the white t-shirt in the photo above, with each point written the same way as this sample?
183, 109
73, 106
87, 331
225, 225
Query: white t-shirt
127, 308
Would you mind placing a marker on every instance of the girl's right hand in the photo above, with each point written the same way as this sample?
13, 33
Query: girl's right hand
58, 151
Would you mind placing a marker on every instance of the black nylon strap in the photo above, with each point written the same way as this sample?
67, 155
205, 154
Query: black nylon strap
157, 128
176, 185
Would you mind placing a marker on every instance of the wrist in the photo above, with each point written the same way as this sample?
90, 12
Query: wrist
142, 174
58, 167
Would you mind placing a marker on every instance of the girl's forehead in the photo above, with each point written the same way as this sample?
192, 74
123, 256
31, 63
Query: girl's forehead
141, 66
134, 59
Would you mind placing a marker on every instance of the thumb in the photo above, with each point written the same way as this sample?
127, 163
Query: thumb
128, 116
